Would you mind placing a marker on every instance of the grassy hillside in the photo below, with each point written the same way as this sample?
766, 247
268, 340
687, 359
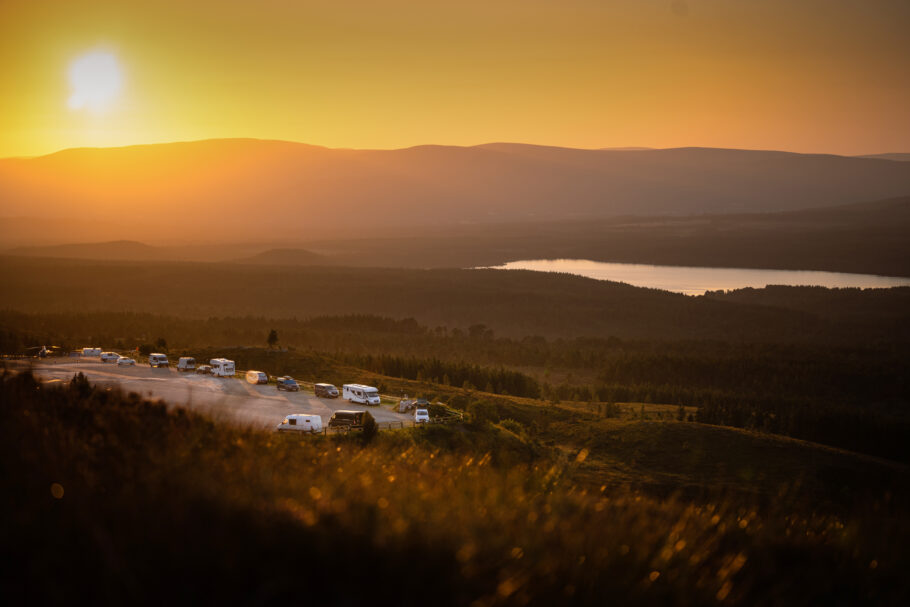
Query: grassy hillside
113, 495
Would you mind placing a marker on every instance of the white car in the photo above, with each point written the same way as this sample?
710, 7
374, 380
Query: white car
421, 416
125, 361
301, 422
109, 357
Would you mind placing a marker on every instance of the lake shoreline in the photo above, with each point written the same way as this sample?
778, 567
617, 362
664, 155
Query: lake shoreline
697, 280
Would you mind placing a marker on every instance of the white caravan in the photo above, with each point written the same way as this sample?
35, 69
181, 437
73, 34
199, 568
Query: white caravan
186, 363
91, 351
358, 393
301, 422
222, 367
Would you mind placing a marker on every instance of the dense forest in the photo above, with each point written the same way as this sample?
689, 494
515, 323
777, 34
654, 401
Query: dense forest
851, 396
513, 303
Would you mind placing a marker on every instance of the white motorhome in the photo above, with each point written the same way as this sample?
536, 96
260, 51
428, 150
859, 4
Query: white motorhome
358, 393
91, 351
222, 367
186, 363
158, 360
301, 422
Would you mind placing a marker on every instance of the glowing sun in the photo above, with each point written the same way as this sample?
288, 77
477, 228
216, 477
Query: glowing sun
96, 81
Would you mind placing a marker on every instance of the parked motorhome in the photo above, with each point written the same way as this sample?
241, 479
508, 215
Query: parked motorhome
301, 422
186, 363
358, 393
347, 419
222, 367
257, 377
158, 360
91, 351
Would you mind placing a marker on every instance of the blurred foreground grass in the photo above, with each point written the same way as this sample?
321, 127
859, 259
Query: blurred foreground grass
112, 499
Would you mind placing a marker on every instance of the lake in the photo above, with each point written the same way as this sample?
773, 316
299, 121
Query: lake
697, 280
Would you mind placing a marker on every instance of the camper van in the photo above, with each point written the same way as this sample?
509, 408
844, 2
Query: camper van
91, 351
157, 360
358, 393
222, 367
257, 377
186, 363
301, 422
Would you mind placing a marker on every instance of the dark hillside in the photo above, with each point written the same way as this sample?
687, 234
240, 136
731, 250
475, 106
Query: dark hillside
114, 494
511, 303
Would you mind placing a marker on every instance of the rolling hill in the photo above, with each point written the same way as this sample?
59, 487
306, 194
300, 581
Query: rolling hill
118, 249
242, 189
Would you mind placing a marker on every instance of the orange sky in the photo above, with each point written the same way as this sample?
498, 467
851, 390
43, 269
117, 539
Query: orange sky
801, 75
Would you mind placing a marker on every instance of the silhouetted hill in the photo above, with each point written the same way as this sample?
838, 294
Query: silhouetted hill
127, 250
285, 257
239, 189
899, 157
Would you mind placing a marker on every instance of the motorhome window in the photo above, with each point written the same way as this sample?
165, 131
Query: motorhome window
292, 422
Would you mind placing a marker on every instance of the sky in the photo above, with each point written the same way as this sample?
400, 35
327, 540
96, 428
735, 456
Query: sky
826, 76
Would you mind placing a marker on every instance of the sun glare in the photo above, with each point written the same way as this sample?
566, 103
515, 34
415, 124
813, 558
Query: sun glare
96, 81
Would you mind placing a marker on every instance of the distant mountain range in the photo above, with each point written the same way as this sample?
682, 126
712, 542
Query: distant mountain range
899, 157
250, 189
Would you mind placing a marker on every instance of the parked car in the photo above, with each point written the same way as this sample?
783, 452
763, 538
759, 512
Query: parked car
186, 363
158, 360
204, 370
125, 361
257, 377
301, 422
287, 383
347, 419
326, 390
421, 416
109, 357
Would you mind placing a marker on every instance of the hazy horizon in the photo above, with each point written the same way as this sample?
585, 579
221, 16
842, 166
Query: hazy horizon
623, 148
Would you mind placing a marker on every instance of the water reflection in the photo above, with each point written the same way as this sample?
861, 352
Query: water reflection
697, 280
